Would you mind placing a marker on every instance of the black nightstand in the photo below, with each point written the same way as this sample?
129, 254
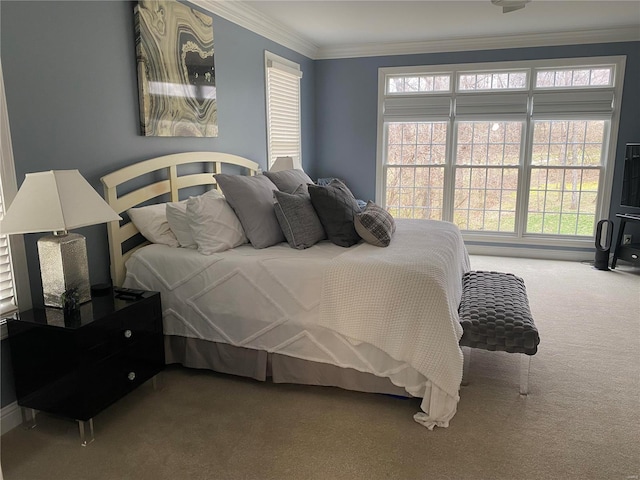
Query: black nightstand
77, 367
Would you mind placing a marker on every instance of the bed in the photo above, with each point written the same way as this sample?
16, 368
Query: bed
364, 318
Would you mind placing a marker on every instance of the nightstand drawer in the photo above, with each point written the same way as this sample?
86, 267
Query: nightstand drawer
135, 328
101, 334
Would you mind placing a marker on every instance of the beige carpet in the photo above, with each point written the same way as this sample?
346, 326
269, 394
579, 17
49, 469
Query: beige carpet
580, 421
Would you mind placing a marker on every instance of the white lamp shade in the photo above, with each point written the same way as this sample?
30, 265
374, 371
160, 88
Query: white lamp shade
56, 200
285, 163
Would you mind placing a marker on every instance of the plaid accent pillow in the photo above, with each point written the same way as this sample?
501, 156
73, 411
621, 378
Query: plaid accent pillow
375, 225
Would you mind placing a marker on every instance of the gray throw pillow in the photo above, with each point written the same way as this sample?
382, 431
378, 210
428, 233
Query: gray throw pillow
288, 180
375, 225
252, 200
298, 219
336, 207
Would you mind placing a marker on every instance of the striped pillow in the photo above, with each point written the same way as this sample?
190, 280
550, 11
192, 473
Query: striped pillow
375, 225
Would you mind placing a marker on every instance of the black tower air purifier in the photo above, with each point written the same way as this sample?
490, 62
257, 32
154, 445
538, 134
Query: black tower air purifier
603, 246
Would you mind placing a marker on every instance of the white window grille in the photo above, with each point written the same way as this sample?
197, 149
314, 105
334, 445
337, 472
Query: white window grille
501, 80
283, 108
414, 175
421, 83
501, 156
486, 175
575, 77
566, 166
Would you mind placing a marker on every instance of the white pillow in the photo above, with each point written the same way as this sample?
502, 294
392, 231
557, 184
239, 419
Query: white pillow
151, 221
213, 223
177, 218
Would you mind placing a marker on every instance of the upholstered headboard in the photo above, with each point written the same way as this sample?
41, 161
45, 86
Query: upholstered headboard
171, 182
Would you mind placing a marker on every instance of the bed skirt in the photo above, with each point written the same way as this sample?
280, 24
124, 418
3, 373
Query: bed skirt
262, 365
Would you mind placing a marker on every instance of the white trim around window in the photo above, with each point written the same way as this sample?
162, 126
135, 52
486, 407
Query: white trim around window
19, 274
490, 97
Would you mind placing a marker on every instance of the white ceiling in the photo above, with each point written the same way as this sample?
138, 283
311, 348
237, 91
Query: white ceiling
335, 28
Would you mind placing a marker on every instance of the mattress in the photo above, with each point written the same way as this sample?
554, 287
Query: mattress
272, 299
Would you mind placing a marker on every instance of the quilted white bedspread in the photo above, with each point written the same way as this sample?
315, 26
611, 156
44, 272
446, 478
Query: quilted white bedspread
404, 300
388, 311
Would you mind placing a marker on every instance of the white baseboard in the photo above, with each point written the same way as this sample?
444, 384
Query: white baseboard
10, 417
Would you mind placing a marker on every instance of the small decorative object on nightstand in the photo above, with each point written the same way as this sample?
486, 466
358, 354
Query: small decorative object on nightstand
71, 306
76, 368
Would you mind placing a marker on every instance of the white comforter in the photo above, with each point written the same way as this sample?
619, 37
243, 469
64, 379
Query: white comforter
404, 300
387, 311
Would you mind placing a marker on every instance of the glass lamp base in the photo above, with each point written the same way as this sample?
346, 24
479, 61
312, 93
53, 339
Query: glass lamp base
63, 266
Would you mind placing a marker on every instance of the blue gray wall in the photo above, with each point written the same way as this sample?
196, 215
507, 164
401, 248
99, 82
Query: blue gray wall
347, 103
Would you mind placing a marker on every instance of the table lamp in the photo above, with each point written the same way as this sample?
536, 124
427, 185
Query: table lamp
285, 163
57, 201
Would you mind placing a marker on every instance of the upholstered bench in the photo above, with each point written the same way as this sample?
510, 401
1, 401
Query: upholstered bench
495, 315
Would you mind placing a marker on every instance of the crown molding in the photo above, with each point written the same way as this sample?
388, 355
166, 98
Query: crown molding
248, 17
621, 34
255, 21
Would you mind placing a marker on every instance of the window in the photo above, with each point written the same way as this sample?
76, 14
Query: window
283, 108
515, 151
575, 78
486, 175
566, 166
422, 83
12, 255
415, 173
503, 80
7, 296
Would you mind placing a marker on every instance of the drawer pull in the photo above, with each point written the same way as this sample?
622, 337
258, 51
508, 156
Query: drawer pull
131, 376
127, 334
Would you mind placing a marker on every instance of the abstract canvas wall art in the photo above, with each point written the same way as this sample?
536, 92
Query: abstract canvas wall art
176, 70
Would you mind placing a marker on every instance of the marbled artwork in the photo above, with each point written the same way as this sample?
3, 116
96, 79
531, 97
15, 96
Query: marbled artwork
176, 71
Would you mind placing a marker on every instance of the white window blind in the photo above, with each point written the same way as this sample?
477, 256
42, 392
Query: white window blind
283, 108
408, 107
589, 102
492, 104
7, 295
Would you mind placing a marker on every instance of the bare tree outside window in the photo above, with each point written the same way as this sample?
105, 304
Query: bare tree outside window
579, 77
486, 175
565, 177
414, 173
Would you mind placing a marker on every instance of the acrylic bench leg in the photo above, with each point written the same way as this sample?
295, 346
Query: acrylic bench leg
84, 440
466, 351
525, 366
28, 418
